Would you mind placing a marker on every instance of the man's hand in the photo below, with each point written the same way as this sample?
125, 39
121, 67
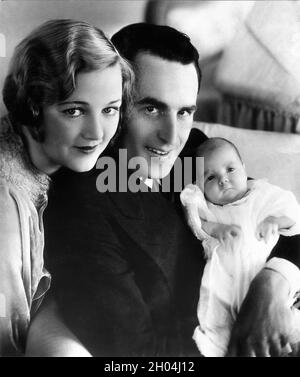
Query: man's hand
268, 228
264, 322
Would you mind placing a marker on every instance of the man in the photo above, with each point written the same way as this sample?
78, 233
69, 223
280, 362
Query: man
126, 269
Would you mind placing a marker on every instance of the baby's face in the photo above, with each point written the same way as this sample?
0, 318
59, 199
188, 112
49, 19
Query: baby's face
225, 177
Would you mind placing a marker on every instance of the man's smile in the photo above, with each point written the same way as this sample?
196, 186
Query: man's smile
158, 152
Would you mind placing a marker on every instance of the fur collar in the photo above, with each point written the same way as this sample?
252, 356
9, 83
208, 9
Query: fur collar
16, 167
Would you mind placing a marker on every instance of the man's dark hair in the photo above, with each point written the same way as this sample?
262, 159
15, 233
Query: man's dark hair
161, 41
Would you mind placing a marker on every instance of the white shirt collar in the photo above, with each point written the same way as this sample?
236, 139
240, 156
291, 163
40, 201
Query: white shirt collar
149, 181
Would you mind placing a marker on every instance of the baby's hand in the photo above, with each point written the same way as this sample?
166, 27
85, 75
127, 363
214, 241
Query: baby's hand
226, 233
267, 229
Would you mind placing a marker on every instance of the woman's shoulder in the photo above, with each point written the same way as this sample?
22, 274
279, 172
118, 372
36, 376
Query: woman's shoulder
5, 190
14, 204
9, 209
16, 170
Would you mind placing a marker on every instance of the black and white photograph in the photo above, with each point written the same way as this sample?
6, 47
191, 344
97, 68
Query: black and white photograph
150, 181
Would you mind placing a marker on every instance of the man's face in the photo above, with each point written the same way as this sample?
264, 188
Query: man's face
162, 117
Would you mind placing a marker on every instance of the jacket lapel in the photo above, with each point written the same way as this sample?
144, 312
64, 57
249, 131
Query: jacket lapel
143, 217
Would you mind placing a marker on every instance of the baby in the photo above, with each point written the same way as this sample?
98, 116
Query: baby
239, 222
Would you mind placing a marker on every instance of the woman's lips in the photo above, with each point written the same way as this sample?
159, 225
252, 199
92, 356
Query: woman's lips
87, 149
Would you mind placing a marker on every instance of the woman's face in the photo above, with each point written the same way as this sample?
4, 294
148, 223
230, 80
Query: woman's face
78, 129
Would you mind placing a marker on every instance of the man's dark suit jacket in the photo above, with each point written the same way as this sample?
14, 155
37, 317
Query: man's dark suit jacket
126, 269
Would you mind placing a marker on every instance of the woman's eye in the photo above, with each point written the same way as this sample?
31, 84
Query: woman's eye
111, 110
151, 110
73, 112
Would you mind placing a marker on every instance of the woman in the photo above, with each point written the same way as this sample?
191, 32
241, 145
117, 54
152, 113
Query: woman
63, 94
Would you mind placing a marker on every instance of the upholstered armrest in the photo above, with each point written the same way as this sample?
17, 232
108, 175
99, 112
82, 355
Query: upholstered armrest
271, 155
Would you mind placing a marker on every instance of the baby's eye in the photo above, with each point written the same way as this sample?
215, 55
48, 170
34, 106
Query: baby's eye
73, 112
230, 170
210, 178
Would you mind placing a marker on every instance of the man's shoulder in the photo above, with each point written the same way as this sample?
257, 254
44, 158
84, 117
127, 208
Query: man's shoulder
196, 138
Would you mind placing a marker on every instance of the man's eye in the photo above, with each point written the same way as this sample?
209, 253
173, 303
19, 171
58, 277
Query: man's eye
186, 113
111, 110
73, 112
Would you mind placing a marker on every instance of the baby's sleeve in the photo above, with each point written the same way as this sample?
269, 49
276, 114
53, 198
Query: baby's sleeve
280, 202
290, 208
195, 209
